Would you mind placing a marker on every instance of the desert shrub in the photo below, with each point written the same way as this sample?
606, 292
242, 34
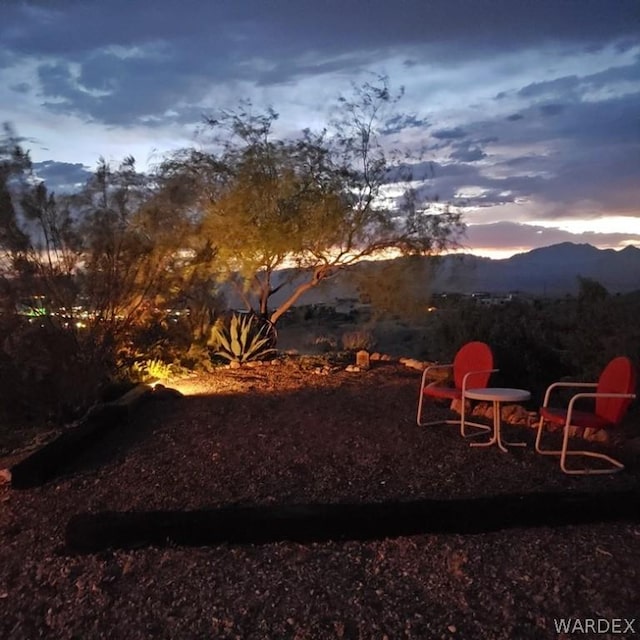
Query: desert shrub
325, 343
151, 370
536, 344
525, 347
48, 374
357, 340
242, 337
197, 358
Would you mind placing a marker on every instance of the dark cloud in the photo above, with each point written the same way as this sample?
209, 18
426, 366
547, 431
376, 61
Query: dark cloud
62, 27
61, 177
513, 236
557, 142
449, 134
403, 121
557, 86
552, 109
21, 87
467, 153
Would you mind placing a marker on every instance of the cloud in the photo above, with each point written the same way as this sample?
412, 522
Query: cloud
61, 177
467, 153
514, 237
525, 109
449, 134
552, 109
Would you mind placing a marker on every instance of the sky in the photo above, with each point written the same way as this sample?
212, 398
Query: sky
527, 112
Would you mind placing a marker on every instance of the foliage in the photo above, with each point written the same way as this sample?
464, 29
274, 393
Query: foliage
245, 337
101, 263
538, 342
397, 289
151, 370
43, 375
318, 201
357, 340
325, 343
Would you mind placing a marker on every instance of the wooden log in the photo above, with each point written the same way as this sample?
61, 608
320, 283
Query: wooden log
46, 462
92, 532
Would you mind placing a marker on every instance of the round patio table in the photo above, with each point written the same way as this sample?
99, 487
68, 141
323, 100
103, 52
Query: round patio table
497, 395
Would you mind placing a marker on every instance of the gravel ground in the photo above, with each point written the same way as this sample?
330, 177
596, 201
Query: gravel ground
277, 435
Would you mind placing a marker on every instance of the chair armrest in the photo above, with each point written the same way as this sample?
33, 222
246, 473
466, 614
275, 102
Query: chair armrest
472, 373
433, 366
555, 385
578, 396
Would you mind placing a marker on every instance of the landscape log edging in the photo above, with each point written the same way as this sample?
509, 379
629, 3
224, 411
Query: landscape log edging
94, 532
45, 463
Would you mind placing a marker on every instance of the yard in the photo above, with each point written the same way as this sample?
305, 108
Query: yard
286, 434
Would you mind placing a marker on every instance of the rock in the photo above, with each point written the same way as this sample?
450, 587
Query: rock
160, 392
533, 419
375, 356
234, 364
597, 435
414, 364
385, 357
515, 414
362, 359
456, 405
483, 410
352, 367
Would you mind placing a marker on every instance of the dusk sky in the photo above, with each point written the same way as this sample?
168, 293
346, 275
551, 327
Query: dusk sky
527, 110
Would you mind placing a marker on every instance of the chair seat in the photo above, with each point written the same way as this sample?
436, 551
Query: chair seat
436, 391
578, 418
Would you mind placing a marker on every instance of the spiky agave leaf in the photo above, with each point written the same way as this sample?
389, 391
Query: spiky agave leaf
240, 341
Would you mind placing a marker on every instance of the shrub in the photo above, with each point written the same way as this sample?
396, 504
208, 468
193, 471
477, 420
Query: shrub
325, 343
357, 340
150, 370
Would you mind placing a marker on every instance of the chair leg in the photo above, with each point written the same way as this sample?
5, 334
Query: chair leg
461, 422
564, 453
431, 422
539, 449
614, 465
483, 428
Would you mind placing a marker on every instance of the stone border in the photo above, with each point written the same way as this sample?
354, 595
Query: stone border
46, 462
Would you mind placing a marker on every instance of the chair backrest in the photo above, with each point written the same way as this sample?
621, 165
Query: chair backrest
618, 376
473, 356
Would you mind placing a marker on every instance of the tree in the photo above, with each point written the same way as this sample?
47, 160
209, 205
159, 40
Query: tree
105, 259
316, 202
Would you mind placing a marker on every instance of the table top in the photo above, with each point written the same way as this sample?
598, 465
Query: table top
498, 394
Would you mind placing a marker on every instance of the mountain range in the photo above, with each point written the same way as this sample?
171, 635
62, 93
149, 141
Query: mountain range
548, 271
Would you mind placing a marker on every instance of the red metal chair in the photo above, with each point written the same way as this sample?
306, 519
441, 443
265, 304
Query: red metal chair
613, 394
472, 367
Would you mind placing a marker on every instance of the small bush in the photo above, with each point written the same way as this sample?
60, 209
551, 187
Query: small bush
326, 343
357, 340
150, 370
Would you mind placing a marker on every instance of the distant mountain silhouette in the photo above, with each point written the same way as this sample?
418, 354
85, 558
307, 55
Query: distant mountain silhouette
548, 271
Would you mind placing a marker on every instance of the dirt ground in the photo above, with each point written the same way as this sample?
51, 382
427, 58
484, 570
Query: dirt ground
293, 433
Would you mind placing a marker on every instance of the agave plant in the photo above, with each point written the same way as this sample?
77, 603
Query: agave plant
245, 337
